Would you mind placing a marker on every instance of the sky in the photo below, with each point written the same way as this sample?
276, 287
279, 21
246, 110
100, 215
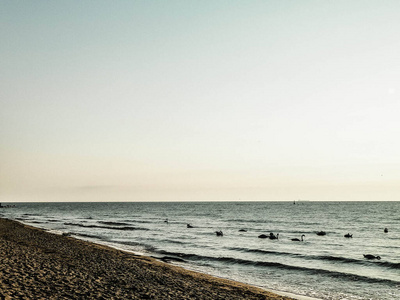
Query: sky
199, 100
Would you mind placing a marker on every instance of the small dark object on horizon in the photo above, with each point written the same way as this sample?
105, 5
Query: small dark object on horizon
321, 233
6, 206
348, 235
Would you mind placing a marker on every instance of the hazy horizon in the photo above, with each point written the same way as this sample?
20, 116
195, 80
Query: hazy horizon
185, 100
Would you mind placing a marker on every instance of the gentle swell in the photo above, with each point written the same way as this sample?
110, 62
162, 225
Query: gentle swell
260, 251
231, 260
149, 248
113, 223
320, 257
126, 228
139, 221
86, 235
389, 264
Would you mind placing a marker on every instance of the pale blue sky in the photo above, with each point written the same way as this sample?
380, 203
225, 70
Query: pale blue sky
199, 100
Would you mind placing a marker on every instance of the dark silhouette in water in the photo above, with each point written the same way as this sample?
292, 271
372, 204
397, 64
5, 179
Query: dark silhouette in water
348, 235
242, 230
189, 226
321, 233
370, 256
386, 230
298, 240
273, 236
219, 233
166, 221
170, 258
262, 236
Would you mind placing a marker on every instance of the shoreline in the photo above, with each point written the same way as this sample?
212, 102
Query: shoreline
170, 261
39, 264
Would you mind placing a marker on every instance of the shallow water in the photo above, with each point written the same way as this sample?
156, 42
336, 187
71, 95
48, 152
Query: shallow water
324, 267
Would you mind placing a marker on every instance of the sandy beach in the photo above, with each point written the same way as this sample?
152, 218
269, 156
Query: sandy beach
36, 264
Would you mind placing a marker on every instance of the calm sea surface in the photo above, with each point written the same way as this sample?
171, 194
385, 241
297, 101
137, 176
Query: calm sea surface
323, 267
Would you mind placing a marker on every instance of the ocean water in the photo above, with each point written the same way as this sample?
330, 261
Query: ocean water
322, 267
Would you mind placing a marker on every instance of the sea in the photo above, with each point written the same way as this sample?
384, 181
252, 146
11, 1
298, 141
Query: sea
328, 266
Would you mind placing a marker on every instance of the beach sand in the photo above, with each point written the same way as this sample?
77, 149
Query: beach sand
35, 264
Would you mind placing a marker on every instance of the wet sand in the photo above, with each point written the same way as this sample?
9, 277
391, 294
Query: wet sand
35, 264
